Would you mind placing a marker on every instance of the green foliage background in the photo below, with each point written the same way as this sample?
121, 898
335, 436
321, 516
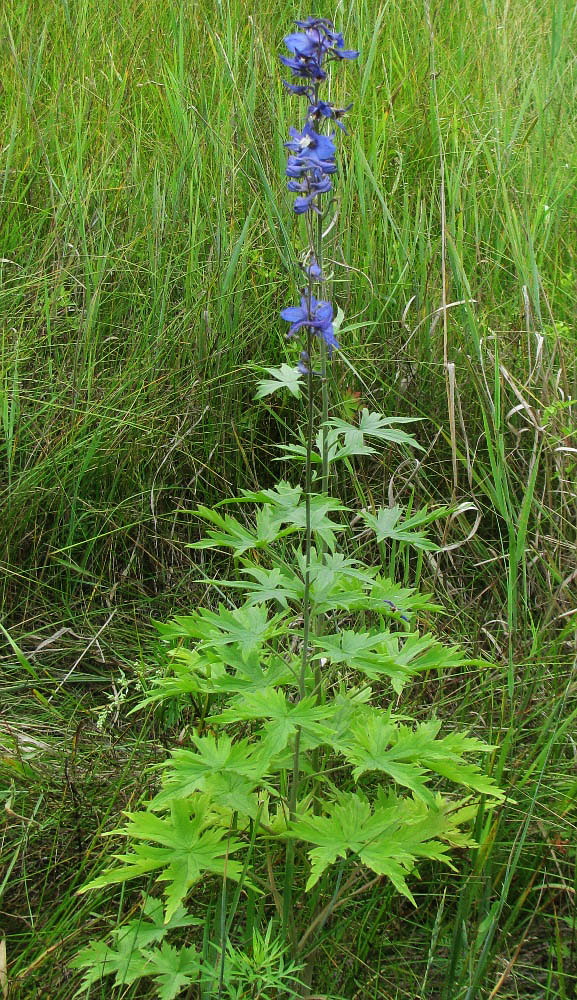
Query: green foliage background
145, 235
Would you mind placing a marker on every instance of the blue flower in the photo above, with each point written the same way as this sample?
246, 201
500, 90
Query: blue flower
304, 66
312, 162
339, 53
298, 165
324, 109
316, 315
316, 22
302, 365
300, 89
313, 270
310, 46
314, 182
311, 145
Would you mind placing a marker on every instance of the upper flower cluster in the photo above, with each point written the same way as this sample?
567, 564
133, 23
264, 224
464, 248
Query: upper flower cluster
310, 47
312, 162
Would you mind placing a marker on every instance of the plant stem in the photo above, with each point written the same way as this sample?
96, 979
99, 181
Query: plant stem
324, 384
307, 616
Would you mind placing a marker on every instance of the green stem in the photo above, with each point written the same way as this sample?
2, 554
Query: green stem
307, 610
324, 383
307, 621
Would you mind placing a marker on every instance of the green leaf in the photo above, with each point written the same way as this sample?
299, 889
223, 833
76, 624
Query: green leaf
389, 839
387, 528
248, 626
124, 957
398, 656
284, 377
229, 533
190, 673
376, 742
338, 583
290, 508
370, 746
172, 969
187, 850
260, 669
279, 584
296, 451
124, 961
353, 444
375, 425
283, 496
284, 716
228, 772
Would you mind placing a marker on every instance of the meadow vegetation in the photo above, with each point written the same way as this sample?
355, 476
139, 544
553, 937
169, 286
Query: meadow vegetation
146, 249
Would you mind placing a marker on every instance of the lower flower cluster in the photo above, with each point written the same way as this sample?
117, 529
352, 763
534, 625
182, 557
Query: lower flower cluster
317, 316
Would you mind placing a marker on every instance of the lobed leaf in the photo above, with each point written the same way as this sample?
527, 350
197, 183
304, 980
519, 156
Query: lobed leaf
189, 848
389, 838
284, 377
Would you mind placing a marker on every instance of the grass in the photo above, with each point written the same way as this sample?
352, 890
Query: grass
145, 239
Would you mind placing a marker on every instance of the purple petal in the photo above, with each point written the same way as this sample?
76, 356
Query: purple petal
324, 313
302, 205
293, 314
345, 53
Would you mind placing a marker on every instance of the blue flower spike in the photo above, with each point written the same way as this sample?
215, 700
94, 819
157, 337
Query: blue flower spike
311, 164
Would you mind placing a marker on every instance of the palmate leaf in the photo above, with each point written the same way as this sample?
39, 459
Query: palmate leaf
389, 839
336, 587
230, 533
340, 583
398, 656
296, 452
289, 508
259, 669
387, 526
278, 584
228, 772
369, 747
123, 958
410, 754
390, 599
208, 672
338, 443
248, 627
321, 525
353, 443
190, 674
172, 969
284, 377
343, 440
333, 572
284, 717
378, 427
284, 496
189, 847
347, 645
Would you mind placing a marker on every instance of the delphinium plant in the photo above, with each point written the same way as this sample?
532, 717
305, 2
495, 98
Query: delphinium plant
300, 782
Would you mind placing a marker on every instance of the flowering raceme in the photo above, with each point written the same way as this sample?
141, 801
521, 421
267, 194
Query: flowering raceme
311, 162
